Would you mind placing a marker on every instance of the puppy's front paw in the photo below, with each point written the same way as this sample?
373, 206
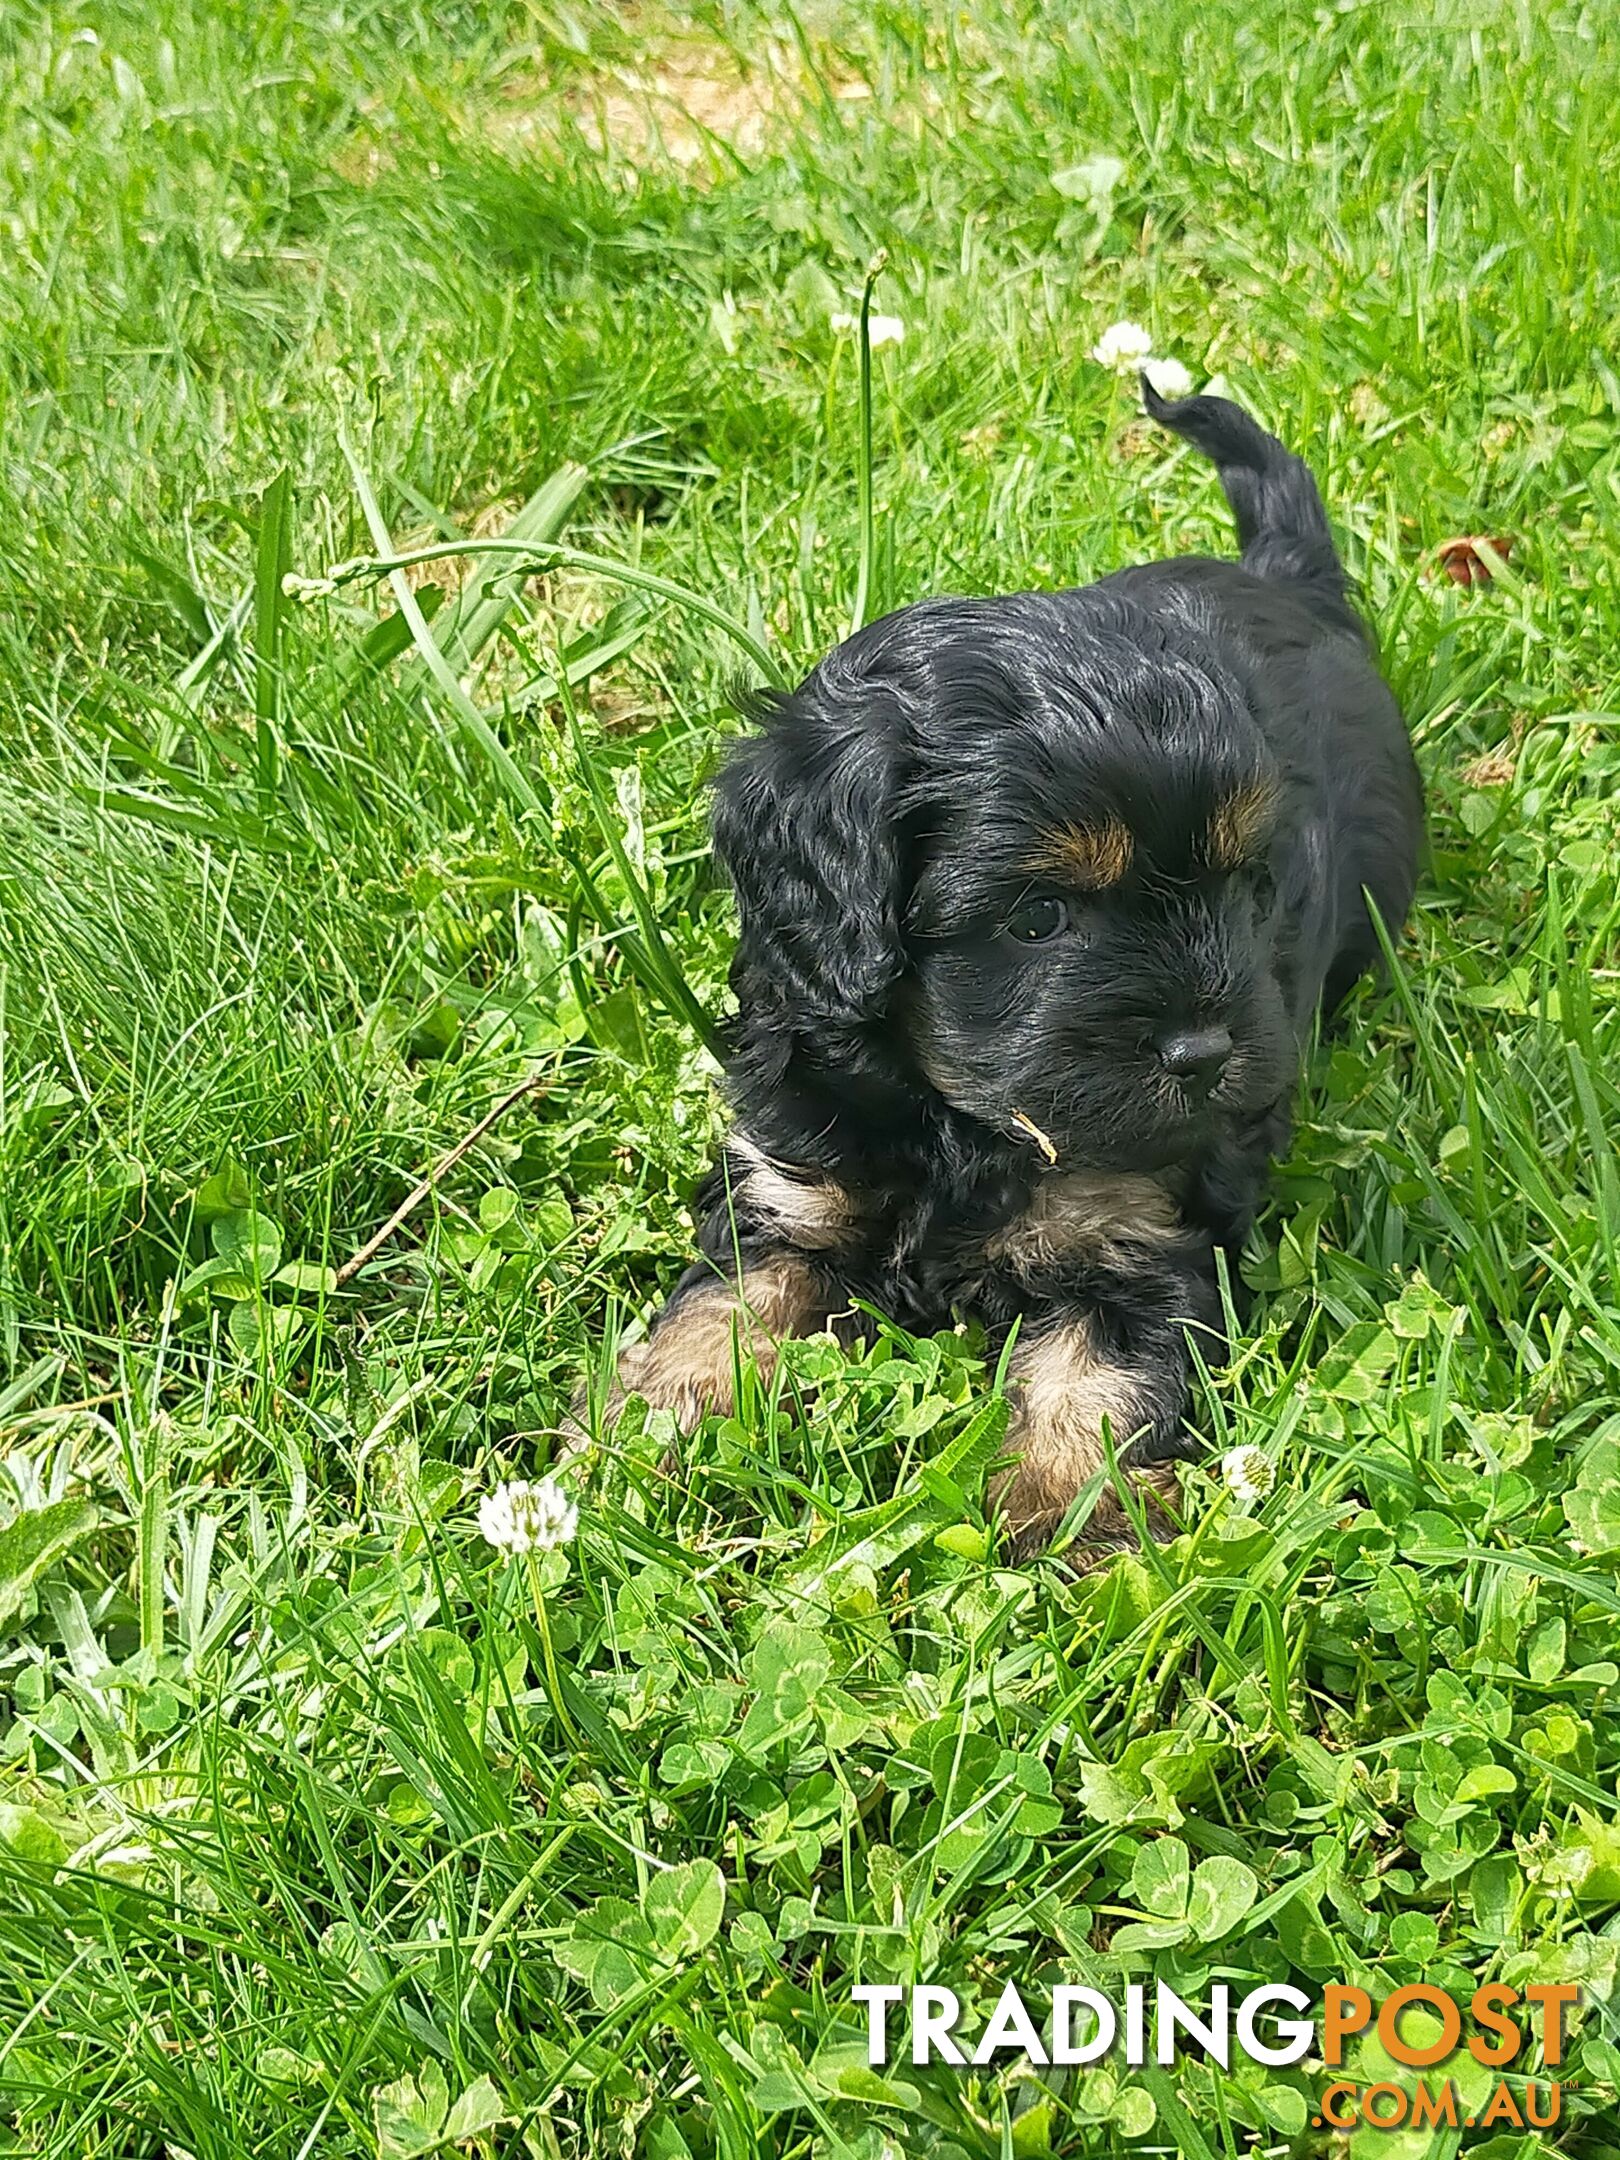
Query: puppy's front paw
671, 1375
688, 1362
1065, 1390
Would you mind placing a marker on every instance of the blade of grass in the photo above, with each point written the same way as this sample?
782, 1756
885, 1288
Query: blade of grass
269, 605
585, 657
389, 564
649, 954
479, 610
519, 789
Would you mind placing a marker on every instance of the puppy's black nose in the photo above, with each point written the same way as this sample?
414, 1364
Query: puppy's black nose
1196, 1055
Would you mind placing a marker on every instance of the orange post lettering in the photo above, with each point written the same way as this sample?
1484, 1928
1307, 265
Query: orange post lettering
1406, 2051
1335, 2093
1552, 2002
1345, 2010
1486, 2009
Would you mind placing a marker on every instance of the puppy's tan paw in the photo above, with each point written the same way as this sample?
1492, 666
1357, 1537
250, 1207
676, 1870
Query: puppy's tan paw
688, 1362
668, 1375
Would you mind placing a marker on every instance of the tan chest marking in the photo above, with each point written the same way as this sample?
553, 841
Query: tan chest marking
1086, 1214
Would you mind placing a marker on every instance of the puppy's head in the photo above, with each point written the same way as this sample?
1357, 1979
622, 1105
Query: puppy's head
1019, 853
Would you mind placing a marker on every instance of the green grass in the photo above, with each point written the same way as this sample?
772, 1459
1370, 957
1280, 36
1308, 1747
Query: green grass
288, 1815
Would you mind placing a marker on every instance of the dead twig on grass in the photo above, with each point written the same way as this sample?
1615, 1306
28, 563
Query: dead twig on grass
447, 1162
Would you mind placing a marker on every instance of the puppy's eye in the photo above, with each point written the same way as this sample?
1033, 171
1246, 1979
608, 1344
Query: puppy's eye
1037, 920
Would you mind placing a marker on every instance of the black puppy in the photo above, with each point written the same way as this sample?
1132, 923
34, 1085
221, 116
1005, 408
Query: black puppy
1038, 898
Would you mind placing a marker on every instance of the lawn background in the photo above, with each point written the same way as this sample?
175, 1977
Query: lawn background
298, 1855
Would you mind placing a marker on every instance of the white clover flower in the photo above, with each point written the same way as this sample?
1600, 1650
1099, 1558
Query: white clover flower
880, 329
1122, 345
1168, 377
519, 1517
1248, 1474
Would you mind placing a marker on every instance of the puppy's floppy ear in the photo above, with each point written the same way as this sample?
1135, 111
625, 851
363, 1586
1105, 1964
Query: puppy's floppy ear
807, 825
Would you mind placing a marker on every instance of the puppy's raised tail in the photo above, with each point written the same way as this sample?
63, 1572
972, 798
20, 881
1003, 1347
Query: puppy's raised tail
1282, 526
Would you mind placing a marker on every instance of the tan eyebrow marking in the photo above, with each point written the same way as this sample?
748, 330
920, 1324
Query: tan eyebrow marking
1091, 856
1241, 824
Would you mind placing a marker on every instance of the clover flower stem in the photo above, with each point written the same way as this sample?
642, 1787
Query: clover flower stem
553, 1684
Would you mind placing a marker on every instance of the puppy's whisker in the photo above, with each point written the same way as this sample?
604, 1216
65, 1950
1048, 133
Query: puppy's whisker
1027, 1125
